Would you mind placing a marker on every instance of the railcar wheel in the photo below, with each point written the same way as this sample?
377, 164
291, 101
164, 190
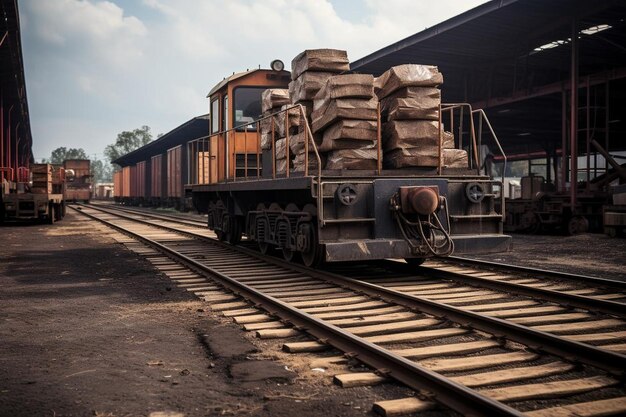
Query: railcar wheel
286, 248
312, 256
260, 235
577, 225
233, 232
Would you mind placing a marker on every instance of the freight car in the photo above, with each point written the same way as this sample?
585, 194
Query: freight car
34, 194
155, 174
331, 215
78, 180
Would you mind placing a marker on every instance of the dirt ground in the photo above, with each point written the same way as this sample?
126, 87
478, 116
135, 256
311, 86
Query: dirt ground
586, 254
87, 328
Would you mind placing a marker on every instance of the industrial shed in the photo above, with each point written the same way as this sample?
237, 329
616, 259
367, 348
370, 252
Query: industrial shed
156, 173
15, 134
551, 76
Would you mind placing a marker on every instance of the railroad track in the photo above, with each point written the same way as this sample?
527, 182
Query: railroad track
474, 363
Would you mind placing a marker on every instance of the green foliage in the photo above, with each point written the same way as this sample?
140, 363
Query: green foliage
61, 154
128, 141
101, 171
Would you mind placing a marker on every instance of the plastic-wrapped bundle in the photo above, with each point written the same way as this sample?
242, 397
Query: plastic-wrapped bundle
344, 108
349, 134
455, 158
298, 162
293, 120
352, 159
306, 87
407, 75
403, 134
412, 103
274, 98
328, 60
420, 156
347, 86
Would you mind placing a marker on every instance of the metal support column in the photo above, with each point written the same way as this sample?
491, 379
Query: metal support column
574, 115
564, 153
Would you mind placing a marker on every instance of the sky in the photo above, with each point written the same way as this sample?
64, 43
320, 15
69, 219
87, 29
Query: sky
96, 68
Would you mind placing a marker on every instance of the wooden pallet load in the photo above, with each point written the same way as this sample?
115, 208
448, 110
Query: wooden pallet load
41, 178
309, 72
272, 100
345, 115
410, 100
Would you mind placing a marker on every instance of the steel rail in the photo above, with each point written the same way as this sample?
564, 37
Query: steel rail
162, 216
572, 300
550, 274
444, 390
612, 362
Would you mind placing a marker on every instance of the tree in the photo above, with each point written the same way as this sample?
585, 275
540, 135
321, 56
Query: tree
101, 171
61, 154
128, 141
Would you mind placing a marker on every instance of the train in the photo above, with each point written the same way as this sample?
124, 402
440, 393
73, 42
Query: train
313, 214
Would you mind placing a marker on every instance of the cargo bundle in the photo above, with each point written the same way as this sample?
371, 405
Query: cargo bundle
272, 100
345, 113
310, 71
410, 103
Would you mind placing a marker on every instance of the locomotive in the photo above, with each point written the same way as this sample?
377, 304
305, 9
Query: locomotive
315, 214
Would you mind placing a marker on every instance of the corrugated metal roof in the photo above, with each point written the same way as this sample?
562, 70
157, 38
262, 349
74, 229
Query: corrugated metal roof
492, 52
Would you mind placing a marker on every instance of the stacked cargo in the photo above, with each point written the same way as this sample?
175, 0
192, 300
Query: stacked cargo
42, 178
345, 114
410, 100
310, 71
271, 102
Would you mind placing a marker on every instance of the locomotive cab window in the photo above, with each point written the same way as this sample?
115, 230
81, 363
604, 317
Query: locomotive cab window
247, 106
215, 116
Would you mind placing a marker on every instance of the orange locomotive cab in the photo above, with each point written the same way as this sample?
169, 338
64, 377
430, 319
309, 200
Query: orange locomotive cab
234, 104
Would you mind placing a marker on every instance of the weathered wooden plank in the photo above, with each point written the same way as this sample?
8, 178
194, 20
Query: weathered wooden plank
330, 302
455, 348
549, 389
302, 347
552, 318
610, 407
477, 362
387, 328
402, 406
228, 306
578, 326
377, 319
240, 312
358, 379
252, 318
416, 336
358, 313
597, 337
262, 326
497, 306
518, 312
512, 374
276, 333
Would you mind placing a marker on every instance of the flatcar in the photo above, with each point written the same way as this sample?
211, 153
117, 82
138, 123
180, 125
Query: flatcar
336, 215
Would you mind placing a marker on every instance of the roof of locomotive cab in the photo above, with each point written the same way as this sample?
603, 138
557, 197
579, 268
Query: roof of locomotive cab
190, 130
238, 75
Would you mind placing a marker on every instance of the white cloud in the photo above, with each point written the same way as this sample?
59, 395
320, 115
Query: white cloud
97, 65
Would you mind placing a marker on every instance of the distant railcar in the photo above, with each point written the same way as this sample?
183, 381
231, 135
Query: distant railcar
78, 186
336, 215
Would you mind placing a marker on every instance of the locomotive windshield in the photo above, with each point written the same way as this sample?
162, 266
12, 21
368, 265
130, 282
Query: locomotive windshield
247, 106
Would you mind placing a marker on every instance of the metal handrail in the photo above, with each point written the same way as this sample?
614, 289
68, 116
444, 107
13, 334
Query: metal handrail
9, 170
483, 116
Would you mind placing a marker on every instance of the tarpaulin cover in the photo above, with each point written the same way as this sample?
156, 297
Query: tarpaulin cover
329, 60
